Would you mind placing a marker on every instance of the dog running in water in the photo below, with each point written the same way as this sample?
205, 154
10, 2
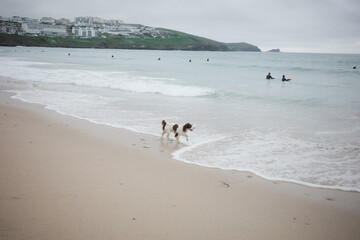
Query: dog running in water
174, 128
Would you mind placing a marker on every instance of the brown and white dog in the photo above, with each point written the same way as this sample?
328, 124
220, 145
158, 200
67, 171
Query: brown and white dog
178, 131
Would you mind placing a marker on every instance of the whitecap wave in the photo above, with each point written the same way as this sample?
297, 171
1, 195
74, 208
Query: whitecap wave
123, 81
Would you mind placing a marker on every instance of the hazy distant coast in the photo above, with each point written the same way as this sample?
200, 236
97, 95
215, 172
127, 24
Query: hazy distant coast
93, 32
175, 41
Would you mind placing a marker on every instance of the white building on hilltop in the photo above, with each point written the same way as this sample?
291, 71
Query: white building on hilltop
44, 29
62, 21
114, 22
84, 31
133, 28
89, 20
47, 20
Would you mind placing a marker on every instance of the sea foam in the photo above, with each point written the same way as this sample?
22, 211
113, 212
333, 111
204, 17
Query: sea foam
276, 155
124, 81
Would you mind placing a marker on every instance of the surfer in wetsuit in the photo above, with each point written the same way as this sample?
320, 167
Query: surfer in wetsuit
285, 79
269, 76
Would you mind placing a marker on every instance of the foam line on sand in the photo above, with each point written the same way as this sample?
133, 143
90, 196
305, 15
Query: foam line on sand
65, 178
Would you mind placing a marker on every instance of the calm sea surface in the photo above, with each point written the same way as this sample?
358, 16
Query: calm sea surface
305, 131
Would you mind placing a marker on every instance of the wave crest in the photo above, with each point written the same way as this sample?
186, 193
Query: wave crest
123, 81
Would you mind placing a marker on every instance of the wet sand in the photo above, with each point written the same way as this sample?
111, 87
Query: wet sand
65, 178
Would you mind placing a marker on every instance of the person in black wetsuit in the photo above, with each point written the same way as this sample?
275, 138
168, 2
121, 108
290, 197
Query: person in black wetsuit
285, 79
269, 76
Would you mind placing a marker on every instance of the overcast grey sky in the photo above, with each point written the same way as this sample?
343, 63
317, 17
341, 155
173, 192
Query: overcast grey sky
292, 25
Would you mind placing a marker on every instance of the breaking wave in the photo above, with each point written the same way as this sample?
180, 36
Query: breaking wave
123, 81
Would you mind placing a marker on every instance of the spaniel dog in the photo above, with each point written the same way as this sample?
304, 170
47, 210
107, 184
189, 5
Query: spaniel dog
178, 131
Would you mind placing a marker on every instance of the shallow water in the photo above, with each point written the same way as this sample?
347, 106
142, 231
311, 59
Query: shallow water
305, 131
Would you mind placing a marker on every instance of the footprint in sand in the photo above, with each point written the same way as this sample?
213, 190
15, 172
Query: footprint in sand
226, 185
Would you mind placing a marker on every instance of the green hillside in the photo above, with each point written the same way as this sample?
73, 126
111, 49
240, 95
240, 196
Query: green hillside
242, 47
167, 40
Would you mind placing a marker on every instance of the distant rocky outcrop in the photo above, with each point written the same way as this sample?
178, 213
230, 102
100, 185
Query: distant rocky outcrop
274, 50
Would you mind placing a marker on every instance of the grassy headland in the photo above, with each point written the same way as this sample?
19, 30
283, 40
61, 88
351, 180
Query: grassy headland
169, 40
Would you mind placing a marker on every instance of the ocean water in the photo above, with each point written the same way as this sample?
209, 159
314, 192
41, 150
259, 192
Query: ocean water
305, 131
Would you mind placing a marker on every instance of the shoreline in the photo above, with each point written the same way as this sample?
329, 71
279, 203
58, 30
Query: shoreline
66, 178
172, 152
181, 147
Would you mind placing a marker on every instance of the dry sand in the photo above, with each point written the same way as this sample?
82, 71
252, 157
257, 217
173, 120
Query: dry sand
64, 178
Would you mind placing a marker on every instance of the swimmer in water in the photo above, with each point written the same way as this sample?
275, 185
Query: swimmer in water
285, 79
269, 76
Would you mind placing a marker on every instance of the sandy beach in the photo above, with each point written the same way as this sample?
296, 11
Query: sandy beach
65, 178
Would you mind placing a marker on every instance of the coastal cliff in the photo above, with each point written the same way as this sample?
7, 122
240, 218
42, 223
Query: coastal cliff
242, 47
167, 40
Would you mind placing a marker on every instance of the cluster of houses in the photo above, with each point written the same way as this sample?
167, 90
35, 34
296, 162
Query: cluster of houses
85, 27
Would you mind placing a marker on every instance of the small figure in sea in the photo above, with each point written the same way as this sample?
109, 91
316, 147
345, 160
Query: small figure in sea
354, 67
69, 54
207, 60
112, 56
159, 59
189, 60
269, 76
285, 79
